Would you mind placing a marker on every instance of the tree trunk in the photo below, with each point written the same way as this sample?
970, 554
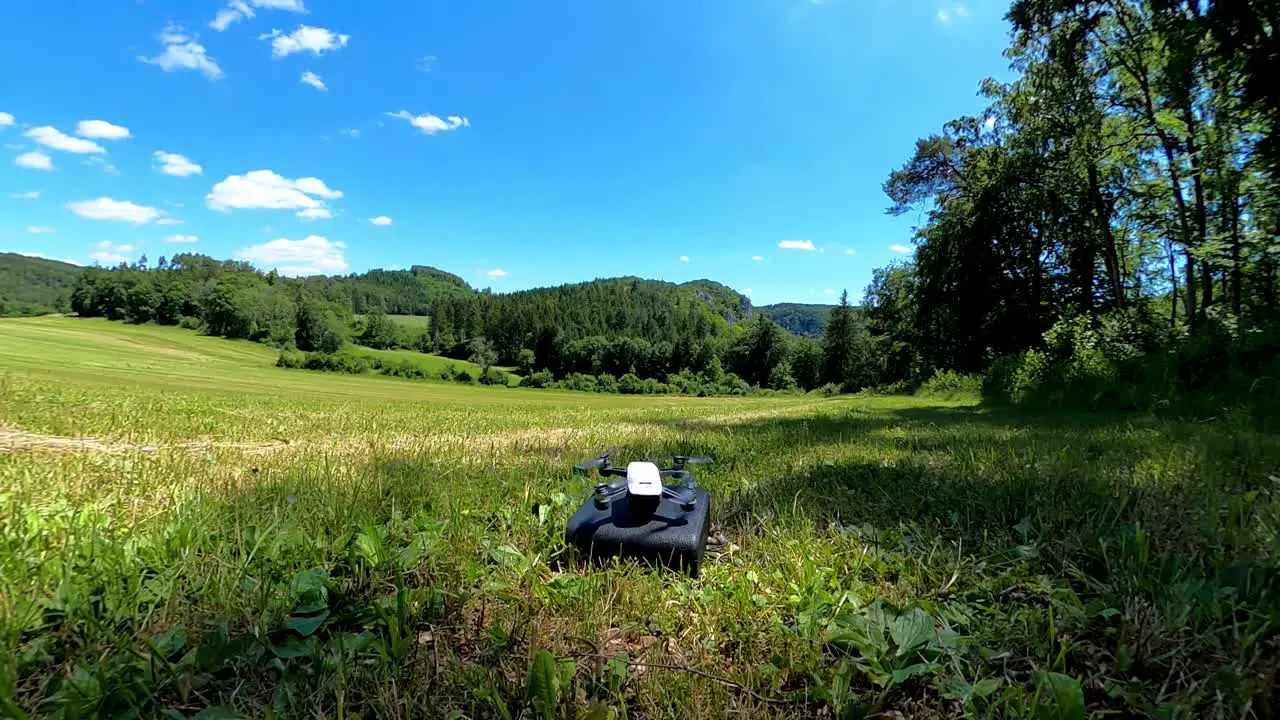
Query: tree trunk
1102, 216
1173, 281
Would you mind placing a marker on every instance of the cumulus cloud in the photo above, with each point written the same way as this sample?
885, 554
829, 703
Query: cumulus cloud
168, 221
496, 273
850, 251
381, 220
264, 189
306, 38
319, 213
684, 258
351, 133
182, 52
829, 292
758, 258
176, 165
182, 239
52, 137
747, 292
32, 195
313, 255
101, 130
989, 124
111, 254
900, 248
431, 124
43, 256
238, 10
40, 230
34, 161
947, 14
425, 64
312, 79
104, 208
5, 119
806, 245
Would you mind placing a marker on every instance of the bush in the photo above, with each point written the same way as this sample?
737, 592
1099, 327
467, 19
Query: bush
190, 323
540, 379
463, 376
291, 359
606, 383
631, 384
828, 390
448, 372
951, 384
494, 376
580, 382
344, 362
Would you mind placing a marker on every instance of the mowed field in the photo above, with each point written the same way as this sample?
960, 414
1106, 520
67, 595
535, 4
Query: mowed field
188, 531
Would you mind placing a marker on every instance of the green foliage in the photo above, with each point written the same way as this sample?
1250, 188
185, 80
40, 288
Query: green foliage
800, 319
951, 384
35, 286
494, 376
541, 379
630, 384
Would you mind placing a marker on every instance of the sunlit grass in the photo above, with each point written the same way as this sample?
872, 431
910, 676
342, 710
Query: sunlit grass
311, 544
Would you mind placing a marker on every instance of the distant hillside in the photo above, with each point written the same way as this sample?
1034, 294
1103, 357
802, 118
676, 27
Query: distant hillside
395, 292
798, 318
35, 286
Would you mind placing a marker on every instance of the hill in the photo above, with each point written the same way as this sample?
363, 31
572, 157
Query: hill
799, 318
35, 286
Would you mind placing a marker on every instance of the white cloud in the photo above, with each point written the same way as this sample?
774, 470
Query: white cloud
850, 251
312, 79
54, 138
317, 213
43, 256
351, 133
5, 119
34, 161
264, 189
40, 230
496, 273
747, 292
104, 208
684, 258
168, 221
381, 220
806, 245
100, 161
176, 165
425, 64
111, 254
32, 195
313, 255
758, 258
238, 10
944, 16
185, 239
432, 124
101, 130
900, 248
947, 14
829, 292
989, 123
306, 38
961, 11
182, 52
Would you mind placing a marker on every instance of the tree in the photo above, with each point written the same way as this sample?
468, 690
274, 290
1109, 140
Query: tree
525, 361
839, 347
481, 352
379, 331
319, 328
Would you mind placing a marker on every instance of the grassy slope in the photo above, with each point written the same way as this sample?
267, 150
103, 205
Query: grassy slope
1080, 545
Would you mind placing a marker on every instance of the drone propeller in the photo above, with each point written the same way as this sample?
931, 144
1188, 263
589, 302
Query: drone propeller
682, 460
592, 464
683, 494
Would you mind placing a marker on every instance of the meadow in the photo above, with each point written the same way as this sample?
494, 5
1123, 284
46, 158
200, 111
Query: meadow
188, 531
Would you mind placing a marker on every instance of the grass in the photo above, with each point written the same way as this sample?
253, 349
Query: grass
430, 364
412, 321
273, 542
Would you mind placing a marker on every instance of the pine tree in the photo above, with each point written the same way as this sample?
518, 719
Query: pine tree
838, 347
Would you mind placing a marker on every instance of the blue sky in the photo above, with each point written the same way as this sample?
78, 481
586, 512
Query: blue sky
516, 144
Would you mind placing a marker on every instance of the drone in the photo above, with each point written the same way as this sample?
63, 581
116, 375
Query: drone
632, 513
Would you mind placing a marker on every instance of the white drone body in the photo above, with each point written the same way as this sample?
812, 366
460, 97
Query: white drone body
643, 479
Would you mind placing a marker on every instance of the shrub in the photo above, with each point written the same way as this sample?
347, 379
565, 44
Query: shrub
580, 382
464, 377
291, 359
631, 384
950, 384
448, 372
494, 376
828, 390
189, 322
539, 379
344, 362
606, 383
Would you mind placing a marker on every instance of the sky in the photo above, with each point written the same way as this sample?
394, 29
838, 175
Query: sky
516, 144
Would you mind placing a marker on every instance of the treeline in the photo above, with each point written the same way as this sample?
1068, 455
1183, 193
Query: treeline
1107, 231
35, 286
623, 335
